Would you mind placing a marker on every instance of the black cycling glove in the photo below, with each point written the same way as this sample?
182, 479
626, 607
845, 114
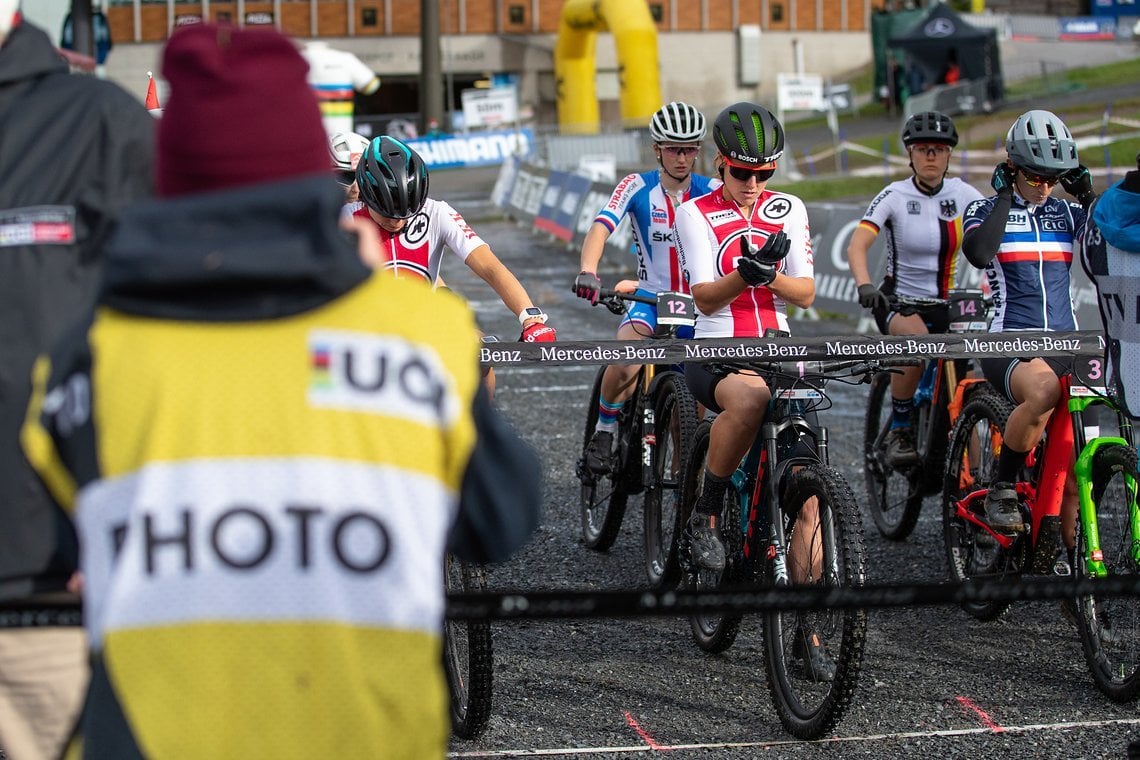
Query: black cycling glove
1078, 183
1003, 178
872, 298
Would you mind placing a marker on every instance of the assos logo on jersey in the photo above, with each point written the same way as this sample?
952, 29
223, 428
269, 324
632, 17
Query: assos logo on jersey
380, 375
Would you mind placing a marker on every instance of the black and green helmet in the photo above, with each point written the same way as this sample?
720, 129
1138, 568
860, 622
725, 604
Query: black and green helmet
392, 178
748, 134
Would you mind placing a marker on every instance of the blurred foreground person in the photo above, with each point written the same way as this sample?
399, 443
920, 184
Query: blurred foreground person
267, 446
73, 151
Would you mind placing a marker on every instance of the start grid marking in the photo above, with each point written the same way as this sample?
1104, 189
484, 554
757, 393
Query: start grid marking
834, 741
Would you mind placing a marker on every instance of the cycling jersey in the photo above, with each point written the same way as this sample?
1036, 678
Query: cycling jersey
924, 234
709, 230
333, 76
1029, 276
651, 214
1112, 259
417, 249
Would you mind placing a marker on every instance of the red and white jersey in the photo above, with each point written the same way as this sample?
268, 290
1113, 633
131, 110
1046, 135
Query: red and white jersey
708, 232
417, 249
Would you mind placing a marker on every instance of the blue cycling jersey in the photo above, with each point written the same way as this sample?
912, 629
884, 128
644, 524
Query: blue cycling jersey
1029, 276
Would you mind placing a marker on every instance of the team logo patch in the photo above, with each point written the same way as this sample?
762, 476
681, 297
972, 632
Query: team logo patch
914, 208
777, 208
659, 215
949, 208
416, 229
722, 217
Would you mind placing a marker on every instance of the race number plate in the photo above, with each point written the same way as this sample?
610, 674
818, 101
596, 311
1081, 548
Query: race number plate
675, 309
967, 311
1088, 376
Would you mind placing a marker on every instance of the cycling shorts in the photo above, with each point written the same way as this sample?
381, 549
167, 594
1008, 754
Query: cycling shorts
643, 316
998, 370
937, 320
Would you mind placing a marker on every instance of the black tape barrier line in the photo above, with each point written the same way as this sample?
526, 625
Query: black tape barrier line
664, 351
530, 605
615, 604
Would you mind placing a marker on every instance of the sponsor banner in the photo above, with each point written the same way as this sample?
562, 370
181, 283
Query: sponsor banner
848, 347
474, 149
1086, 28
526, 193
501, 192
574, 190
544, 219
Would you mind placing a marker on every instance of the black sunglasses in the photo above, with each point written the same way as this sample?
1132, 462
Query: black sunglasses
345, 178
742, 174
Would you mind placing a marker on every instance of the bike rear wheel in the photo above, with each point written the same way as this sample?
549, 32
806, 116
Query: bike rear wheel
894, 499
467, 656
675, 419
711, 632
602, 498
830, 554
1110, 626
971, 462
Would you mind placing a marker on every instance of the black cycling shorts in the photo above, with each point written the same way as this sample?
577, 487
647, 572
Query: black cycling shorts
997, 370
937, 320
702, 384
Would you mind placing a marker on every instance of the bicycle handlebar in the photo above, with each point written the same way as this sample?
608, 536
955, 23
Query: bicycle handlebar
821, 369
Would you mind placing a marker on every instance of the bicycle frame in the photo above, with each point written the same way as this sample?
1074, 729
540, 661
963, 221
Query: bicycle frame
1078, 404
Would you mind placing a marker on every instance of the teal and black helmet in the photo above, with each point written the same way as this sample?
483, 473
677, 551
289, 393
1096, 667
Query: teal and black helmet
392, 178
747, 134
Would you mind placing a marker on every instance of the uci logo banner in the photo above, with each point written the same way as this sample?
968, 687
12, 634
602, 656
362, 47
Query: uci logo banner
381, 375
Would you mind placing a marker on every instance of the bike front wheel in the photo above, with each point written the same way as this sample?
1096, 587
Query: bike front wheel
893, 497
675, 420
712, 632
813, 657
468, 658
1110, 626
971, 462
602, 498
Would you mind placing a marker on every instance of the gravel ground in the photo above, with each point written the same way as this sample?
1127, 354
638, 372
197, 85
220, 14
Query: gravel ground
935, 682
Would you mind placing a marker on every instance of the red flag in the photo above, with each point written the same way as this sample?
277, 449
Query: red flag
151, 94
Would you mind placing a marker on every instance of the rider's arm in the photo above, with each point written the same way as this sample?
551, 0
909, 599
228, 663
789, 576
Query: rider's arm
486, 264
980, 244
861, 241
593, 247
798, 291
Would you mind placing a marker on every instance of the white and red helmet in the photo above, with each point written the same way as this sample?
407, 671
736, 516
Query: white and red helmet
346, 149
9, 12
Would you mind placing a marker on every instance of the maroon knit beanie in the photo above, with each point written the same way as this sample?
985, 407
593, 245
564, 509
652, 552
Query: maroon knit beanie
240, 111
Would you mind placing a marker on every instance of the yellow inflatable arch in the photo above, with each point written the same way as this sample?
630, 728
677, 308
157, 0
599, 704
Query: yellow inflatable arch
635, 37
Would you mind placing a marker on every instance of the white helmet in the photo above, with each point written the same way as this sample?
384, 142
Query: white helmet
677, 122
8, 9
346, 149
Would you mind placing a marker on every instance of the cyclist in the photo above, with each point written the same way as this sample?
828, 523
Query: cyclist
1025, 240
346, 149
1112, 259
922, 217
649, 199
414, 230
745, 251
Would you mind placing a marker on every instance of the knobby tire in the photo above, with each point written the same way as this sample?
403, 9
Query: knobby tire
810, 709
468, 656
602, 498
892, 499
675, 415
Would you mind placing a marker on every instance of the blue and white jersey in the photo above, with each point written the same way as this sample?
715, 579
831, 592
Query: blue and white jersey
650, 212
1029, 276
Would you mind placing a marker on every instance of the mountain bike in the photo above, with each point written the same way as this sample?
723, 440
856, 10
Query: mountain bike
468, 658
655, 426
895, 494
784, 474
1108, 529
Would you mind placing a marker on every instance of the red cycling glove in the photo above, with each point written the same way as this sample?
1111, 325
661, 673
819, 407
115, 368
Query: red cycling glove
537, 332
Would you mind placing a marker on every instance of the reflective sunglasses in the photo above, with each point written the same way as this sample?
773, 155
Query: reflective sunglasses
677, 150
931, 148
742, 174
1036, 180
345, 178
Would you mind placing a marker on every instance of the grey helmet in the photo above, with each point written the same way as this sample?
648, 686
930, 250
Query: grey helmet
392, 178
1040, 142
677, 122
